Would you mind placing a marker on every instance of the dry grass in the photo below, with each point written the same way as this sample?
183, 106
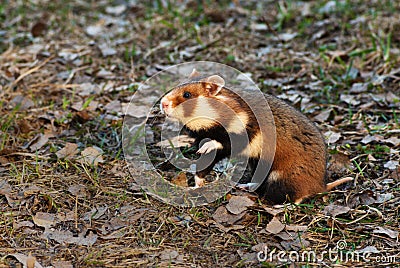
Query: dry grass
49, 56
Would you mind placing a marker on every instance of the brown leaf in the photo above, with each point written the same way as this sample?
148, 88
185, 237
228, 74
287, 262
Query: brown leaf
323, 116
39, 141
334, 210
296, 228
5, 187
168, 254
273, 211
24, 260
366, 197
23, 102
62, 264
391, 233
60, 236
113, 107
38, 29
78, 190
44, 219
222, 215
275, 226
69, 150
332, 137
180, 180
92, 156
238, 204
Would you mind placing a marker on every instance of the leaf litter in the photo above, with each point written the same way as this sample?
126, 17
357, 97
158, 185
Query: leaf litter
64, 88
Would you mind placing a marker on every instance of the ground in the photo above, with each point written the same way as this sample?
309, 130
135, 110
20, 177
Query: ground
68, 70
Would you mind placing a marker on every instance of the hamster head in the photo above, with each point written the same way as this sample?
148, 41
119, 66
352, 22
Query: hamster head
195, 103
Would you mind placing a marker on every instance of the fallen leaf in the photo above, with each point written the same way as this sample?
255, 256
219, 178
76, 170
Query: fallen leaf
273, 211
25, 259
78, 190
238, 204
391, 164
38, 142
332, 137
367, 139
62, 264
296, 228
92, 156
69, 150
392, 140
61, 236
94, 30
107, 50
368, 249
23, 102
180, 180
359, 88
391, 233
113, 107
18, 225
323, 116
5, 187
275, 226
38, 29
364, 198
116, 10
168, 254
43, 219
334, 210
222, 215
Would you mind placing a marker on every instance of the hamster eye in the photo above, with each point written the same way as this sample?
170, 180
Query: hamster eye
186, 95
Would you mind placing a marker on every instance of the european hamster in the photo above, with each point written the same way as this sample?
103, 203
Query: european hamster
211, 111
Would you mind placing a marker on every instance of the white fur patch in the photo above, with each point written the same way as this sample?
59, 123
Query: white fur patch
274, 176
203, 115
255, 146
238, 124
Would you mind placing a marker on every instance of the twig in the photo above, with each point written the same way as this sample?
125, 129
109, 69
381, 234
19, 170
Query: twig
34, 69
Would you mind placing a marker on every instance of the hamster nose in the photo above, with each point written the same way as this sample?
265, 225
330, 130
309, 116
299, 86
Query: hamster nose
164, 104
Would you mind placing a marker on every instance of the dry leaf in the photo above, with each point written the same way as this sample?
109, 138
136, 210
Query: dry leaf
69, 150
60, 236
296, 228
62, 264
275, 226
391, 233
391, 164
180, 180
38, 142
78, 190
273, 211
168, 254
222, 215
25, 259
238, 204
92, 156
334, 210
332, 137
44, 219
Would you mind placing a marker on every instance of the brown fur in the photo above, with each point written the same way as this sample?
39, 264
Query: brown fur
299, 164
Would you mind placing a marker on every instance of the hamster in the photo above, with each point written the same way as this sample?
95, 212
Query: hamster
214, 114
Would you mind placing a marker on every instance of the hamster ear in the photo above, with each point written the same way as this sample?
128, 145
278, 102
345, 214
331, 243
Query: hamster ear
214, 84
194, 73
